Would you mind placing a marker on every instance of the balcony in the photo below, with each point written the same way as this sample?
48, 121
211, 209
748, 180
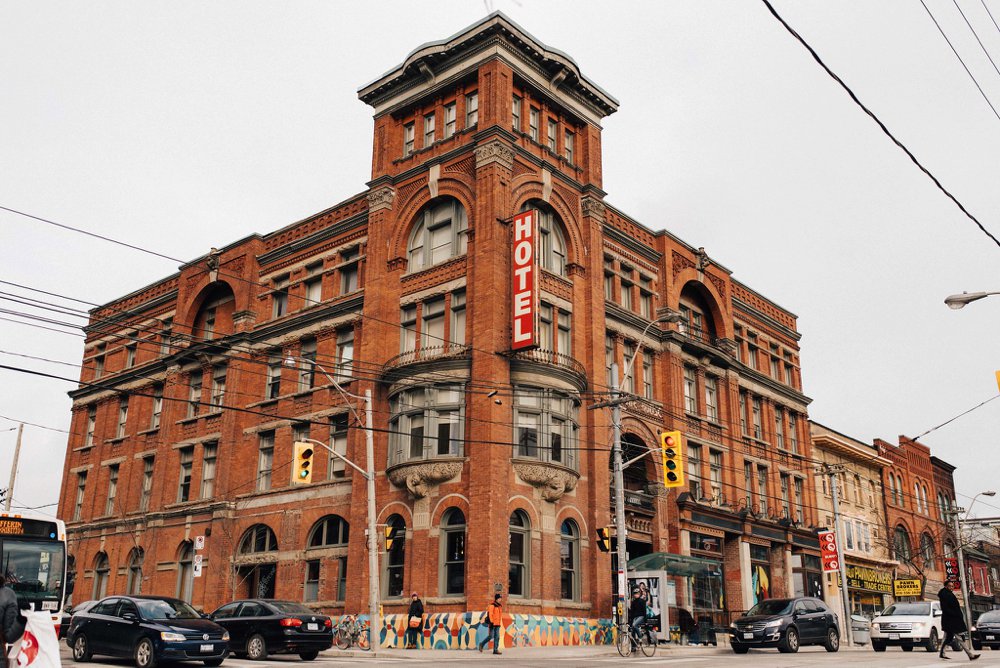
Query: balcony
452, 352
539, 359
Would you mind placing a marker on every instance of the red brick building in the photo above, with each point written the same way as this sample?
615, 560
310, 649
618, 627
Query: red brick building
490, 462
918, 489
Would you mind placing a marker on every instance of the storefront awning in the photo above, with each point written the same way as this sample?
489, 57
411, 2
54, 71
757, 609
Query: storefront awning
675, 564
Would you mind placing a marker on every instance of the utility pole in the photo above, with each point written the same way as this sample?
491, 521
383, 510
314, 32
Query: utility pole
13, 469
845, 627
619, 481
955, 512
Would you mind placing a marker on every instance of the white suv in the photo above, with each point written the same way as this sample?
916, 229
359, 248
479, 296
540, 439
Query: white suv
908, 625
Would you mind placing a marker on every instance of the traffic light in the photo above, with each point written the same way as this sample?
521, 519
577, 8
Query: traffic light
671, 445
604, 539
302, 463
390, 536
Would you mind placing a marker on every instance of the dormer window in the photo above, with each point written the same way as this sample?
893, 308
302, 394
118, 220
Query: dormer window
440, 234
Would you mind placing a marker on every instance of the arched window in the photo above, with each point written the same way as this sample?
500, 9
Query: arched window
892, 487
927, 552
569, 561
519, 573
900, 489
927, 501
696, 316
394, 558
257, 579
901, 543
185, 571
551, 241
441, 233
215, 315
331, 531
916, 497
949, 549
258, 538
102, 571
453, 552
134, 584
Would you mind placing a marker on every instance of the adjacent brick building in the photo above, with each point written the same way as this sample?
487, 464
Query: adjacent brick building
918, 490
491, 464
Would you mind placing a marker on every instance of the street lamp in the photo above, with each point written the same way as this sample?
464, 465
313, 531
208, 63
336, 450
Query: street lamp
955, 512
959, 301
616, 455
373, 586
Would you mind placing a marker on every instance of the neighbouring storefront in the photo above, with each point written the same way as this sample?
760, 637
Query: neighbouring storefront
867, 588
807, 575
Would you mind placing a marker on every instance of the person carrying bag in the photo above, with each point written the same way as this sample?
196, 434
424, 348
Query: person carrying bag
11, 621
414, 620
494, 619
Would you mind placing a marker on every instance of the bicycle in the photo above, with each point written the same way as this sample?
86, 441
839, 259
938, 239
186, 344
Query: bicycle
643, 637
350, 632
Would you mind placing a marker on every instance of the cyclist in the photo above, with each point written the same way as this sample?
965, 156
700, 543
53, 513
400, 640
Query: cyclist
636, 611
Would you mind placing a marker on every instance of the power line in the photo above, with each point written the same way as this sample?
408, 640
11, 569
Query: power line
990, 15
881, 125
955, 51
981, 45
40, 426
979, 405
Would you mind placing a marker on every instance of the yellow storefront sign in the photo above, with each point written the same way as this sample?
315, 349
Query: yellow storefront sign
862, 577
907, 587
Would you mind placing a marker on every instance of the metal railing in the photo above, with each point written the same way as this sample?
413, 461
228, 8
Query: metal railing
426, 354
552, 358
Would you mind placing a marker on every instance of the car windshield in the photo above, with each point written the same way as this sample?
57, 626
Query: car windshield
165, 609
774, 606
292, 608
906, 609
989, 617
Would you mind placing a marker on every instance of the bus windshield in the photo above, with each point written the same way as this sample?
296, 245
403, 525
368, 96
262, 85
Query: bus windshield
34, 570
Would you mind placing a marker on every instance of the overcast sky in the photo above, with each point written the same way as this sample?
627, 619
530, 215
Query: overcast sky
186, 125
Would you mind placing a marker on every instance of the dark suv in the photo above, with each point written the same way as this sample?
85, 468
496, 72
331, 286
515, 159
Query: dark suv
786, 623
986, 631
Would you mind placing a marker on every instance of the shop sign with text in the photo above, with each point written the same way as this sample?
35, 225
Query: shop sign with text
861, 577
828, 551
905, 587
524, 279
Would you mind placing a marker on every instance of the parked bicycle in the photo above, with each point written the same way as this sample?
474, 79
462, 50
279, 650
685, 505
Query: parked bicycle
350, 632
631, 639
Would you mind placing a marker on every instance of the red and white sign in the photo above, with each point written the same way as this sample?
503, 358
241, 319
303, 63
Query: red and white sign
828, 551
524, 281
951, 572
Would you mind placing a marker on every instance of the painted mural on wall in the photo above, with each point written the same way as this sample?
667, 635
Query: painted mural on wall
463, 630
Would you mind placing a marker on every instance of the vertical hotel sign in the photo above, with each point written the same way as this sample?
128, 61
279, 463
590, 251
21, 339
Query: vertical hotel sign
524, 281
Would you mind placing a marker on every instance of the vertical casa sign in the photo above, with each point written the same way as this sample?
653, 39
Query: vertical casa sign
524, 281
828, 551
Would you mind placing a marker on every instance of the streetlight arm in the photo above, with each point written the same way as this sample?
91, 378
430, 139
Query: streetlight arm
960, 300
335, 454
291, 360
638, 346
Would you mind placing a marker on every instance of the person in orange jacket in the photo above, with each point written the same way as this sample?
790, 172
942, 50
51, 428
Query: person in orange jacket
494, 617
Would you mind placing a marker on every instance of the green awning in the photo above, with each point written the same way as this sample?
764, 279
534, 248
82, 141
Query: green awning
675, 564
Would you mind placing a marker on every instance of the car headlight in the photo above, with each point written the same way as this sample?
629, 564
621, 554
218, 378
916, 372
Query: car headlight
225, 636
875, 625
167, 636
918, 626
774, 623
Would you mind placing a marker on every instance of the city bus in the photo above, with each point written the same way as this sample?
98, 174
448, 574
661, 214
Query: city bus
33, 559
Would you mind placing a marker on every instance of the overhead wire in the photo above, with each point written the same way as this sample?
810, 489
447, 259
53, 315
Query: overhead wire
976, 34
882, 125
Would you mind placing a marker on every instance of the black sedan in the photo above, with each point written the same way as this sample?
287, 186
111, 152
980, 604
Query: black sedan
149, 629
259, 627
986, 631
786, 623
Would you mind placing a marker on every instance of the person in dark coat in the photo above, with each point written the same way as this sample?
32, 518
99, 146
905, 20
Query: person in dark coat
952, 623
11, 621
416, 611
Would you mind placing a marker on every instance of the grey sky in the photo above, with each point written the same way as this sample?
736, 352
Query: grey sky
186, 125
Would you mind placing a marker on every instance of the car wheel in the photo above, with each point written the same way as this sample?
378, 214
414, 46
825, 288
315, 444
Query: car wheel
790, 643
145, 654
741, 649
907, 648
832, 643
256, 648
81, 649
308, 656
932, 641
213, 662
878, 645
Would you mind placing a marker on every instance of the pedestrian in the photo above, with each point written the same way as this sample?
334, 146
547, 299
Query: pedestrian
952, 623
494, 619
414, 621
11, 621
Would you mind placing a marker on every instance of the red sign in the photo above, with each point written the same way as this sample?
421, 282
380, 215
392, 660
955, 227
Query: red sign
828, 551
524, 281
951, 572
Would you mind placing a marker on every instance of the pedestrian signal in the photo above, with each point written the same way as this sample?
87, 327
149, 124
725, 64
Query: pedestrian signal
604, 539
390, 536
302, 458
671, 447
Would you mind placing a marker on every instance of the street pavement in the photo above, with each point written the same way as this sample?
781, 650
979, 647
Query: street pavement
559, 657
